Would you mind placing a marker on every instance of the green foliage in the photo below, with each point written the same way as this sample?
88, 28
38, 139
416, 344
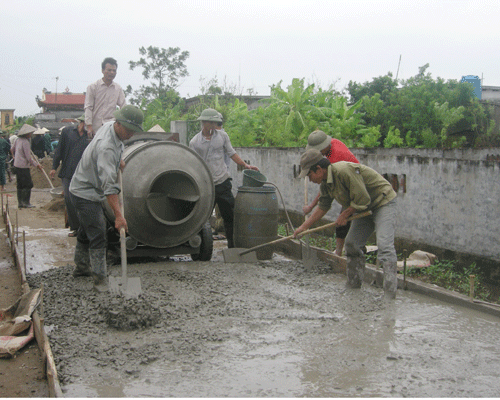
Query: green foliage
19, 122
164, 67
393, 138
155, 114
420, 112
448, 275
426, 111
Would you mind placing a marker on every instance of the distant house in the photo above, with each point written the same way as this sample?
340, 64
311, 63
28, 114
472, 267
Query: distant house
491, 93
7, 118
59, 110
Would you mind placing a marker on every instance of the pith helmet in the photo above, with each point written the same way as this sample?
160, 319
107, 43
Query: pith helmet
210, 115
307, 160
130, 117
318, 140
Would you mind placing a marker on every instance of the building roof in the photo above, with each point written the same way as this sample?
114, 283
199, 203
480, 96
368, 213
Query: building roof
494, 88
63, 99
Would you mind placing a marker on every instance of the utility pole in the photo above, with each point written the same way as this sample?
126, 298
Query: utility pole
397, 73
57, 78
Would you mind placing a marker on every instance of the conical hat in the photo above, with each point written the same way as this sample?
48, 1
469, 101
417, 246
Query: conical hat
26, 129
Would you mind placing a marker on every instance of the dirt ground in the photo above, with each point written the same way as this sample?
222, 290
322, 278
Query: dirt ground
22, 375
266, 329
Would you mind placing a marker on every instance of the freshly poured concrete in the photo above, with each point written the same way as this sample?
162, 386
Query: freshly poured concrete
266, 329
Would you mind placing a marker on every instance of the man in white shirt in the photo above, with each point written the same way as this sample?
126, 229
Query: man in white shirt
102, 98
213, 145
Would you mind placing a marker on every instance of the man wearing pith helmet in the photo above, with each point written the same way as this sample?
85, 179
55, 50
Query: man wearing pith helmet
95, 180
356, 188
335, 151
212, 144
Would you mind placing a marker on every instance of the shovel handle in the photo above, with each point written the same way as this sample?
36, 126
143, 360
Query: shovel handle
333, 224
319, 228
123, 247
43, 170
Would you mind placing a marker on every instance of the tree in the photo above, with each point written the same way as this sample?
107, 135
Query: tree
164, 67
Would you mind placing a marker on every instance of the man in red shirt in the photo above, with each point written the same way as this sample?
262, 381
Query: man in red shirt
335, 151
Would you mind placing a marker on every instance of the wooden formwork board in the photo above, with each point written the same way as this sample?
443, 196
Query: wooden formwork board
38, 323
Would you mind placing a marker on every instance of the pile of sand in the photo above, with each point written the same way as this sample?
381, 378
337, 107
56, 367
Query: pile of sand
40, 180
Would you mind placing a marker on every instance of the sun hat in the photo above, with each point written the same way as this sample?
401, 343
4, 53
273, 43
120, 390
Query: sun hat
130, 117
40, 131
26, 130
318, 140
307, 160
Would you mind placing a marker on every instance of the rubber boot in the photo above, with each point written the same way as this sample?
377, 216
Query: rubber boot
390, 280
27, 197
20, 198
99, 271
355, 271
82, 260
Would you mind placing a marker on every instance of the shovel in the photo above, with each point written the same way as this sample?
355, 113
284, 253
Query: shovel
43, 170
309, 256
235, 254
128, 287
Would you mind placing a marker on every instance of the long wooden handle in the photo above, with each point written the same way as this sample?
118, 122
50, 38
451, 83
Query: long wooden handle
319, 228
45, 173
123, 246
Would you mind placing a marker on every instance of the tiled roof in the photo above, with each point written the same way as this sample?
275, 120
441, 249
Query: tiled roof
64, 99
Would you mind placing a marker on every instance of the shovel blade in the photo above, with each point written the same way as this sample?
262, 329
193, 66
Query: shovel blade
309, 257
233, 256
131, 288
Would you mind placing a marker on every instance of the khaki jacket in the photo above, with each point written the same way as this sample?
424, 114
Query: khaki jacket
354, 185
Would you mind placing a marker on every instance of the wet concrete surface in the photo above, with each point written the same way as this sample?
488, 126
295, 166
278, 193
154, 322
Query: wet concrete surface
267, 329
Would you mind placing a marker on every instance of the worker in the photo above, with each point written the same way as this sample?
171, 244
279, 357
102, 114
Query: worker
21, 151
38, 143
356, 188
4, 155
95, 180
72, 144
102, 98
335, 151
212, 144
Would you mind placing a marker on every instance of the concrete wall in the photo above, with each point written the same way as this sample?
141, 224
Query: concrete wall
446, 199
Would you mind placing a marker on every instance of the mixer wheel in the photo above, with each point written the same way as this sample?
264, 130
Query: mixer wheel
207, 244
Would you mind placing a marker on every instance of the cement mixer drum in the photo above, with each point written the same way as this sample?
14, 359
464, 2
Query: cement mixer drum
168, 193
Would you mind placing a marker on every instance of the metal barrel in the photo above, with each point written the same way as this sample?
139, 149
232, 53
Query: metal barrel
256, 218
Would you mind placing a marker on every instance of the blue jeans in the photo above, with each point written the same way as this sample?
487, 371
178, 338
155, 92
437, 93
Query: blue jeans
383, 222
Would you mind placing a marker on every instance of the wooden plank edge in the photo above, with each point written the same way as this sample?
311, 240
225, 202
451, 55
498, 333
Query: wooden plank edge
40, 335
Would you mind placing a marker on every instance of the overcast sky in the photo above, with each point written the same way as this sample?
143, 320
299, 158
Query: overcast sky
250, 43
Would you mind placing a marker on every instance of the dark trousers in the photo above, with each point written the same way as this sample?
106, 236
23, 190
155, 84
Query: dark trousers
225, 200
24, 180
3, 169
70, 207
92, 230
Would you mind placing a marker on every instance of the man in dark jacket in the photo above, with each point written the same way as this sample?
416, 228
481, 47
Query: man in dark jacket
68, 152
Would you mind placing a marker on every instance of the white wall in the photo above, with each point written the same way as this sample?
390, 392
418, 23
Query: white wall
451, 200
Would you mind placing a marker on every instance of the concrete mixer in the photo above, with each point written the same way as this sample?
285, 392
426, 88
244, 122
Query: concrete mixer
168, 197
